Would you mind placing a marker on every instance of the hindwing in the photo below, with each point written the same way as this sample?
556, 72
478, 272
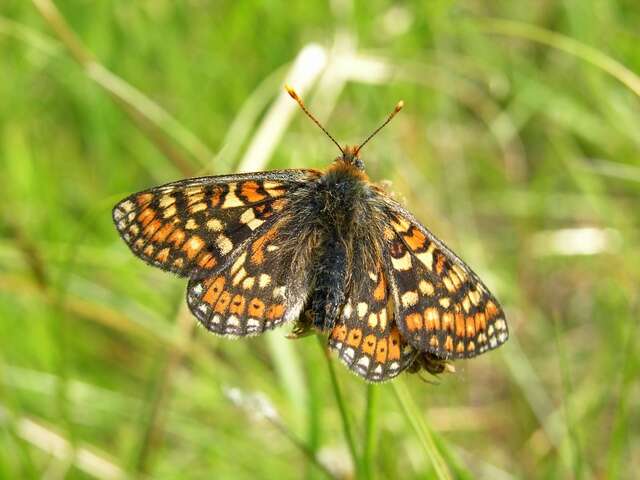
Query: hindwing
265, 284
442, 306
366, 337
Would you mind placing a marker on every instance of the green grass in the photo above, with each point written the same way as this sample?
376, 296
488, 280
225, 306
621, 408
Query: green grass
520, 122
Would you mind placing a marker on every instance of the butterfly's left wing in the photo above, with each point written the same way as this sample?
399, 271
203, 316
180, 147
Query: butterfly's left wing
442, 307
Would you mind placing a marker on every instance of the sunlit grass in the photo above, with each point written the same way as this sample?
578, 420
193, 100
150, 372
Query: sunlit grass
520, 125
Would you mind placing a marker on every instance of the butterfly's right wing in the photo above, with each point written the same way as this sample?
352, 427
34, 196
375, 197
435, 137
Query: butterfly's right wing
442, 306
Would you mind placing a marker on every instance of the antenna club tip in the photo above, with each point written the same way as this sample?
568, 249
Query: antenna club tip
291, 91
399, 106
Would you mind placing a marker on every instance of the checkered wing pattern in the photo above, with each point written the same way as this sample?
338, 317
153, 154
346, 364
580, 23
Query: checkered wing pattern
442, 307
366, 337
193, 227
265, 285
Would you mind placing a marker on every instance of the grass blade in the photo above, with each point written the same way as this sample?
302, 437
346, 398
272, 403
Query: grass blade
566, 44
416, 420
342, 407
153, 120
370, 431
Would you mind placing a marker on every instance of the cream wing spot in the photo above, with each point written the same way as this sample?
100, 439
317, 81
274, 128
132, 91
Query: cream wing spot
466, 304
169, 212
264, 280
348, 355
474, 296
195, 198
253, 325
191, 224
233, 321
198, 207
426, 258
363, 362
426, 288
214, 225
273, 188
224, 244
403, 263
279, 292
501, 324
193, 246
449, 284
462, 275
231, 199
401, 225
248, 217
409, 299
238, 263
167, 200
242, 273
382, 317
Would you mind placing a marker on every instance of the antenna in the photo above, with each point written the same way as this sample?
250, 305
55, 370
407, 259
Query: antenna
293, 94
397, 108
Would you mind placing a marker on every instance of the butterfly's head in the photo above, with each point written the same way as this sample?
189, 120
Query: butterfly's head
350, 154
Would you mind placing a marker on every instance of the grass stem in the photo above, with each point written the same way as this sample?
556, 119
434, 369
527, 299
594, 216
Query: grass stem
342, 407
415, 419
370, 431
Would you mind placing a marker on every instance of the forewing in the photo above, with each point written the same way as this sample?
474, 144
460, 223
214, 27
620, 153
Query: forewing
366, 337
266, 284
191, 227
442, 306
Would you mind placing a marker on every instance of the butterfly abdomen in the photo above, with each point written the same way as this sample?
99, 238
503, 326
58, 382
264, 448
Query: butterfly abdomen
328, 295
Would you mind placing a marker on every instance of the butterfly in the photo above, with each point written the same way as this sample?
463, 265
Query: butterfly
329, 250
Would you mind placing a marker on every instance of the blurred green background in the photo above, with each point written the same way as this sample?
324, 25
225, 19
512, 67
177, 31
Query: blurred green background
518, 145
